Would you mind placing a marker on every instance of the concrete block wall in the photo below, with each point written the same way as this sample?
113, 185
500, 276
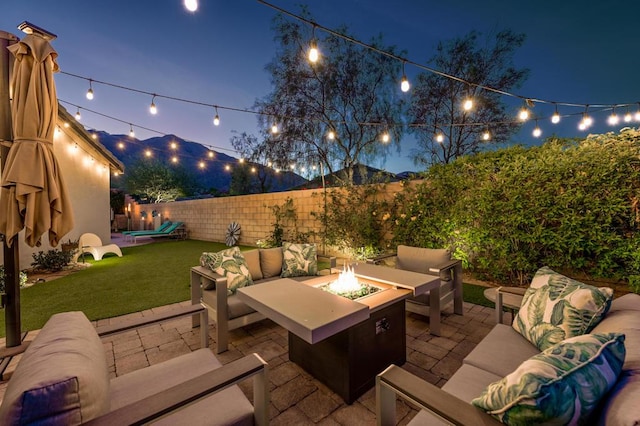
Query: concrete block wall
208, 219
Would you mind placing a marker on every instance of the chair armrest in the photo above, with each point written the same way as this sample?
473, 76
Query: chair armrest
375, 260
446, 266
395, 381
516, 291
206, 273
134, 323
176, 397
333, 261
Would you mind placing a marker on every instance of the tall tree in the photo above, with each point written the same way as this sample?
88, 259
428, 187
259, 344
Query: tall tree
333, 112
437, 101
157, 181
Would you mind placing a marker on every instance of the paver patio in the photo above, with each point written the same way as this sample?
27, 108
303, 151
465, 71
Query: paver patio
296, 397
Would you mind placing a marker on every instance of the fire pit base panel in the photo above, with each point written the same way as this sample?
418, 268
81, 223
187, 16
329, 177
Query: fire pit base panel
348, 362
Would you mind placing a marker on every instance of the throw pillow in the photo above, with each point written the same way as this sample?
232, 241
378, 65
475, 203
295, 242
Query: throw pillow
556, 307
229, 263
561, 385
299, 260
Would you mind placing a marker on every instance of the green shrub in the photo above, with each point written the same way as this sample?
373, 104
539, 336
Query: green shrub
52, 260
23, 279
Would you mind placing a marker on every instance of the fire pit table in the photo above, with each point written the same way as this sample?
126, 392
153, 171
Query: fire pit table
341, 342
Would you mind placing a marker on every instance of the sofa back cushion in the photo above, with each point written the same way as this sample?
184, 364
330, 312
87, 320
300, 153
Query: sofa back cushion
253, 263
62, 377
556, 307
229, 263
271, 262
419, 259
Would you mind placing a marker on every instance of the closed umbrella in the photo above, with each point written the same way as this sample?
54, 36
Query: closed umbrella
33, 194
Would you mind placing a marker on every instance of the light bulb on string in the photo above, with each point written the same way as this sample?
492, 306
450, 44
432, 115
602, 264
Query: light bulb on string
152, 108
627, 117
227, 167
78, 116
404, 84
132, 134
314, 55
555, 118
191, 5
613, 119
90, 91
439, 137
210, 154
467, 105
253, 169
201, 164
94, 136
148, 153
274, 128
174, 159
486, 135
121, 145
523, 114
385, 137
241, 160
586, 118
173, 145
216, 119
636, 116
331, 135
536, 131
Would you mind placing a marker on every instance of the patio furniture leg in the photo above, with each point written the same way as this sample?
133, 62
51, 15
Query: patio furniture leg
204, 327
434, 311
196, 296
457, 289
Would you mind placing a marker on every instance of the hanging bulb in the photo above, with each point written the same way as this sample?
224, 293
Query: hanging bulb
131, 132
94, 136
120, 145
152, 108
536, 131
173, 145
636, 116
147, 153
467, 105
241, 160
274, 128
523, 114
404, 84
191, 5
216, 119
227, 167
313, 47
385, 137
613, 119
78, 116
174, 159
628, 117
588, 121
90, 92
582, 126
555, 118
253, 169
439, 137
486, 135
201, 164
331, 135
210, 154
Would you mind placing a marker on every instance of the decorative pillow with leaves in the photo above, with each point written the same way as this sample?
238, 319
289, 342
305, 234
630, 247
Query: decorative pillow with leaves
299, 260
229, 263
561, 385
556, 307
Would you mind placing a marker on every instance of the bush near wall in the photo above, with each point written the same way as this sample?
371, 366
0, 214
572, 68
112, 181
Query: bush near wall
568, 204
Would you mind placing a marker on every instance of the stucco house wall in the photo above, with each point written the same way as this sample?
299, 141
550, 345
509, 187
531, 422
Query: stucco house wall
86, 166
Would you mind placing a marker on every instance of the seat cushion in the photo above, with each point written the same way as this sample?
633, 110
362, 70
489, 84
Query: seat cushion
563, 384
501, 351
271, 262
252, 257
299, 260
229, 406
229, 263
419, 259
235, 307
62, 377
556, 307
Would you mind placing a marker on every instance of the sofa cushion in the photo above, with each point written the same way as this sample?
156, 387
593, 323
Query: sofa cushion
501, 351
145, 382
235, 307
62, 377
271, 262
419, 259
229, 263
621, 407
253, 263
562, 384
299, 260
556, 307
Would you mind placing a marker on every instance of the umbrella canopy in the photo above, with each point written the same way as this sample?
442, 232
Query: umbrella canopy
32, 192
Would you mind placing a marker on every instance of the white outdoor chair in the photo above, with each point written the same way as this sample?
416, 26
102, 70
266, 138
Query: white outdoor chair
92, 244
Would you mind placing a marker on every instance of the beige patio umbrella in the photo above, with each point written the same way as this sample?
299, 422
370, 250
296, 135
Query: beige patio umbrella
33, 195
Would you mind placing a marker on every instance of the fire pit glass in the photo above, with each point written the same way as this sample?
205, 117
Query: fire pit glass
347, 285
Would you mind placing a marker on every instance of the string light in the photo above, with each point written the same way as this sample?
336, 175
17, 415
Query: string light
385, 137
439, 137
241, 160
628, 117
173, 145
131, 132
586, 119
120, 145
201, 164
78, 116
486, 135
274, 129
210, 154
313, 48
253, 169
191, 5
637, 114
94, 136
331, 135
90, 91
227, 167
152, 108
404, 85
216, 119
536, 131
148, 153
523, 114
555, 118
613, 119
174, 159
467, 104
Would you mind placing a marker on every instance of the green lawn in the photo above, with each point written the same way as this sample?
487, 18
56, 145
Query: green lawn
145, 277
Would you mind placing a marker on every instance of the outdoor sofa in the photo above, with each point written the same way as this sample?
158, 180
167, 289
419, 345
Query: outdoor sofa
213, 289
63, 378
504, 352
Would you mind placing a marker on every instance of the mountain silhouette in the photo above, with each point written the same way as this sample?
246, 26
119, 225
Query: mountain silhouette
214, 174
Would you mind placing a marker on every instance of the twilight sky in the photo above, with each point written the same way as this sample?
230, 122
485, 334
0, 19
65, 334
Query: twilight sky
583, 52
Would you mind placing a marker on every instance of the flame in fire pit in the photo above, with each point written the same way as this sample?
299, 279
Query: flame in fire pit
346, 282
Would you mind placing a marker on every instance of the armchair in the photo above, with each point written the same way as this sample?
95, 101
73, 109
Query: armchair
435, 262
